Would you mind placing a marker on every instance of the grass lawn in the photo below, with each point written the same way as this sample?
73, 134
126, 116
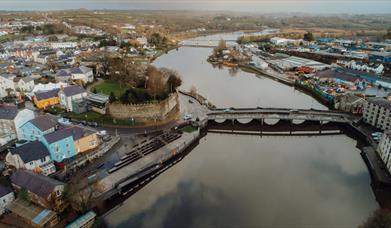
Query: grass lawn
99, 118
109, 86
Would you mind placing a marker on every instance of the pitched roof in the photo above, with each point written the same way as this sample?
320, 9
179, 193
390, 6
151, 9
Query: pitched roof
380, 102
80, 70
31, 151
8, 112
64, 73
41, 185
44, 122
4, 190
47, 94
57, 135
76, 132
73, 90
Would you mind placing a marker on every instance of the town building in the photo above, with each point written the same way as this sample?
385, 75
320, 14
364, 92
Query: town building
32, 156
82, 73
63, 75
7, 86
60, 144
73, 98
377, 112
384, 149
98, 103
24, 84
6, 197
11, 119
36, 128
380, 57
85, 139
32, 214
350, 103
46, 99
42, 190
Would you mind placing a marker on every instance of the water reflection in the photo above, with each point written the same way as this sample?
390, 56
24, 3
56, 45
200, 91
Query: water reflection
230, 181
223, 90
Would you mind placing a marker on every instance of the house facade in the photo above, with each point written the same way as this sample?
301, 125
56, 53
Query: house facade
60, 144
46, 99
11, 119
24, 84
377, 112
36, 128
82, 73
384, 149
6, 197
7, 86
32, 156
71, 97
84, 139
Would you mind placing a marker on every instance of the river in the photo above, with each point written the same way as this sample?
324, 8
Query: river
249, 181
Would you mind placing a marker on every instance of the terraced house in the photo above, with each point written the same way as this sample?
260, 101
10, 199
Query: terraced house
46, 99
36, 128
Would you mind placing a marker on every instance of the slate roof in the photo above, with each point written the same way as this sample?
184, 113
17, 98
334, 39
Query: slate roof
47, 94
8, 112
41, 185
25, 79
44, 122
380, 102
64, 73
80, 70
73, 90
4, 190
31, 151
75, 131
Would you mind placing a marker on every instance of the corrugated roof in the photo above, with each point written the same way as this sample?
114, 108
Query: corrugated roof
40, 185
31, 151
45, 122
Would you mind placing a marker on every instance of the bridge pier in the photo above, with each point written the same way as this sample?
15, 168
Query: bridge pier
233, 123
261, 127
320, 127
290, 126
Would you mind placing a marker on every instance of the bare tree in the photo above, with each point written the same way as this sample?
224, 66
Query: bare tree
156, 85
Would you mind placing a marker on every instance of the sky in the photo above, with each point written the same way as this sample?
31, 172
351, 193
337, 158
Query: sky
262, 6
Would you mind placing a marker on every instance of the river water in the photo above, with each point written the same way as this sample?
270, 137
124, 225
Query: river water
249, 181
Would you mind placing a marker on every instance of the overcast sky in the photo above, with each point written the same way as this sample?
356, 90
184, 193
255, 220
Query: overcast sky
308, 6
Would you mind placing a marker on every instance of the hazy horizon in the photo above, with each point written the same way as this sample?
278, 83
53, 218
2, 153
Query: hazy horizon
255, 6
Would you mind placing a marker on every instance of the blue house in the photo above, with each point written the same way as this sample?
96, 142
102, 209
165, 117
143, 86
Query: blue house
36, 128
60, 144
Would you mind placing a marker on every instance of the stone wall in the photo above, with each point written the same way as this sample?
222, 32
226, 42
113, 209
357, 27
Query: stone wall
145, 112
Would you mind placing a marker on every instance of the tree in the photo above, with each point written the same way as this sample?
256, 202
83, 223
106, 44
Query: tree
309, 37
24, 195
381, 218
156, 85
94, 91
112, 97
388, 34
174, 80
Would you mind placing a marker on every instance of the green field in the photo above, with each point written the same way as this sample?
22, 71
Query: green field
111, 86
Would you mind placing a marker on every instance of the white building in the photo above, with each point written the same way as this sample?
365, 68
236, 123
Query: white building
70, 94
24, 84
284, 42
384, 149
32, 156
7, 86
6, 197
11, 119
82, 73
63, 45
377, 112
